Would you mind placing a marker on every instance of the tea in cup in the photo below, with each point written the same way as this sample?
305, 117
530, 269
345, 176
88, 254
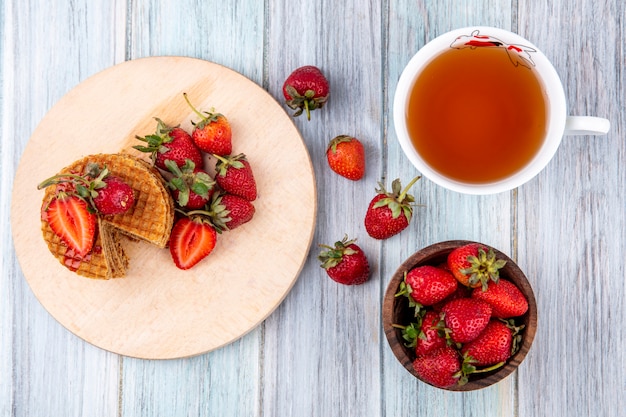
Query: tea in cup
481, 110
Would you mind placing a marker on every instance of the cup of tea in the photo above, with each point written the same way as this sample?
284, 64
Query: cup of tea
480, 110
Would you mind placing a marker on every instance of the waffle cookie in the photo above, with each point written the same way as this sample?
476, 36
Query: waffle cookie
150, 219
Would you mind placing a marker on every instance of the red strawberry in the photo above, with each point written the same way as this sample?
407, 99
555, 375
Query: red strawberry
440, 368
213, 133
430, 337
428, 285
389, 212
191, 240
345, 263
346, 156
466, 318
191, 186
229, 211
306, 89
473, 265
234, 175
115, 197
172, 143
493, 345
461, 292
505, 298
72, 221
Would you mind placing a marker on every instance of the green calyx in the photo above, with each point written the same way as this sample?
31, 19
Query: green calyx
185, 180
225, 162
332, 256
205, 117
156, 142
398, 200
405, 290
483, 268
306, 102
332, 145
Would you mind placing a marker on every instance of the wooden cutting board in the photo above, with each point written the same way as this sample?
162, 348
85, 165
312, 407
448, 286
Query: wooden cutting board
158, 311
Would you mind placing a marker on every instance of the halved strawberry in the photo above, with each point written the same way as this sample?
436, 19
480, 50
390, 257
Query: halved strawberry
192, 240
69, 218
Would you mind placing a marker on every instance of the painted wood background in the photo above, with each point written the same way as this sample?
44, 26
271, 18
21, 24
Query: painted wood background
323, 352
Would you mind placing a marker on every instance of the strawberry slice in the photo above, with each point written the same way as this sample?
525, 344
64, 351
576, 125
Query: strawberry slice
191, 241
70, 219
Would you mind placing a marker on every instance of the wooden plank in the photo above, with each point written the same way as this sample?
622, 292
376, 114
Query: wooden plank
572, 224
224, 381
46, 51
321, 354
445, 215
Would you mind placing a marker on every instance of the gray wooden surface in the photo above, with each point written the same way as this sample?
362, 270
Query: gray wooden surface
322, 352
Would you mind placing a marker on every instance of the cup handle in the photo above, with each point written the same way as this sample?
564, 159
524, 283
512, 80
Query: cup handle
586, 125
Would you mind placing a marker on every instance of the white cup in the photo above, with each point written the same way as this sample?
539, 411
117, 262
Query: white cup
558, 122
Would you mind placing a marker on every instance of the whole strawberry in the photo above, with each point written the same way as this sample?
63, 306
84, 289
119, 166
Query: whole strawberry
234, 175
306, 89
191, 187
494, 345
474, 265
428, 285
114, 197
172, 143
440, 368
466, 318
505, 298
213, 133
345, 263
346, 156
389, 212
430, 337
228, 211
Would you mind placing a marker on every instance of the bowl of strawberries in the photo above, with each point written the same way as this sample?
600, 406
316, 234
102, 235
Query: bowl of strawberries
459, 315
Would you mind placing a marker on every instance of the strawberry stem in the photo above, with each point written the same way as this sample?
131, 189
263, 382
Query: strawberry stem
203, 117
58, 179
406, 189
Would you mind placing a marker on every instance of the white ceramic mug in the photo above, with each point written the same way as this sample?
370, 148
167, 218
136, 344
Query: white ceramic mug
558, 122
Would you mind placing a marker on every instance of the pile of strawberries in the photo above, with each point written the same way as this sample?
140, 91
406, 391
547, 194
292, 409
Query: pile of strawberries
206, 205
465, 317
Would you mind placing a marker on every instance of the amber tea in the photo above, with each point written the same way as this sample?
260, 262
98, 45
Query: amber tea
475, 116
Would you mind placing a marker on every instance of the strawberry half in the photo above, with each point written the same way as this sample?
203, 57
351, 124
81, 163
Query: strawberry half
389, 212
191, 240
213, 133
345, 263
306, 89
72, 221
346, 156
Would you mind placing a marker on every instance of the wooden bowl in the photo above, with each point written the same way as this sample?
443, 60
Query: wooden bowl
396, 311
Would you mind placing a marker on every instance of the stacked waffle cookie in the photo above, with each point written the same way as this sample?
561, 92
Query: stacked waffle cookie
150, 218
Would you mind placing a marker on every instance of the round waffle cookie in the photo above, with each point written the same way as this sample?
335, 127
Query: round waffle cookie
150, 219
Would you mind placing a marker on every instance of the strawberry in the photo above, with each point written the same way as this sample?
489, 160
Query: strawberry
71, 219
461, 292
213, 133
428, 285
473, 265
440, 368
505, 298
229, 211
115, 197
192, 239
465, 318
345, 263
172, 143
234, 175
346, 156
430, 337
191, 186
389, 212
306, 89
493, 345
